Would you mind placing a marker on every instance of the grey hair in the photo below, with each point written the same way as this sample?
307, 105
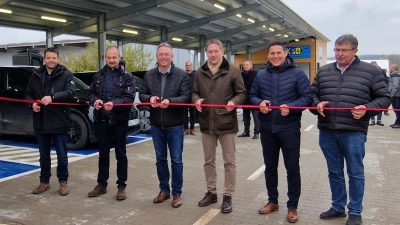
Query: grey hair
347, 39
395, 67
164, 44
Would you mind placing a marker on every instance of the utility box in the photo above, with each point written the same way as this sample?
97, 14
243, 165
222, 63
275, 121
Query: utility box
27, 58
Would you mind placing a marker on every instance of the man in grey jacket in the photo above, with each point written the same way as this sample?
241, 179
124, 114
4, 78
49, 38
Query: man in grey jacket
394, 87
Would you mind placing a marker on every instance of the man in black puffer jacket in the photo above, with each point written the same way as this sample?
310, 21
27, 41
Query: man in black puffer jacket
347, 83
111, 87
161, 86
52, 82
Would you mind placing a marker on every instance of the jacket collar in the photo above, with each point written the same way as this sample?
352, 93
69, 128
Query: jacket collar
224, 68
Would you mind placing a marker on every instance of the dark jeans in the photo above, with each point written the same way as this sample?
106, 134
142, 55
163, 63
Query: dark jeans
171, 138
289, 142
247, 118
192, 112
60, 143
396, 105
107, 134
339, 146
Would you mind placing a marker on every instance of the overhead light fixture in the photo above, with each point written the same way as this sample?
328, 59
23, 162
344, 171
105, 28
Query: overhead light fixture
286, 35
5, 11
271, 29
238, 15
129, 31
277, 35
251, 20
296, 39
177, 39
264, 26
53, 19
219, 7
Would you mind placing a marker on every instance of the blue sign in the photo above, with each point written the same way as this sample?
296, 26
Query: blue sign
298, 52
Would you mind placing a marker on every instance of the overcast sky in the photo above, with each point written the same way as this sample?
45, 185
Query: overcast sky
376, 23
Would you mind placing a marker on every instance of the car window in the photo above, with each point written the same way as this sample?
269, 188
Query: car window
17, 79
138, 82
80, 85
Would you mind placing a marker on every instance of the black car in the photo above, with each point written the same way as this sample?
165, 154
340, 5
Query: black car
16, 117
144, 110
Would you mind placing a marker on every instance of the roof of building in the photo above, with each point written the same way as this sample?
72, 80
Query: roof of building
242, 23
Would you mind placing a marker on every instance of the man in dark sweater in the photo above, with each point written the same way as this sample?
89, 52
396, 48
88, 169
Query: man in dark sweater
248, 76
163, 85
190, 109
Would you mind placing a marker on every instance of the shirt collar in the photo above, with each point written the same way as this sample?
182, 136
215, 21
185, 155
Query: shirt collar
168, 70
338, 66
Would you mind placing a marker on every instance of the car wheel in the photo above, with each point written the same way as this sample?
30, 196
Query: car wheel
144, 116
78, 134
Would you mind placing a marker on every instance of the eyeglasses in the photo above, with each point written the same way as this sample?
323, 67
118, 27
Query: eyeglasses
338, 50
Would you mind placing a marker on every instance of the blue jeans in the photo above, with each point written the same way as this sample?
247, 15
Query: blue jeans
337, 146
289, 143
173, 139
60, 143
107, 134
378, 117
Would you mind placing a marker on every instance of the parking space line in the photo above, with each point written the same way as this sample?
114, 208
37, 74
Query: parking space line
309, 128
206, 218
257, 173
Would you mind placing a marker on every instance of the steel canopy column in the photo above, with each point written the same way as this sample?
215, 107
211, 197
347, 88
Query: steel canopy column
164, 35
49, 39
202, 41
248, 52
121, 47
196, 60
101, 37
228, 51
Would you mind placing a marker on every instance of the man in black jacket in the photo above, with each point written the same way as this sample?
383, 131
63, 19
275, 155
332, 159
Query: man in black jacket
248, 76
52, 82
347, 83
111, 87
161, 86
190, 109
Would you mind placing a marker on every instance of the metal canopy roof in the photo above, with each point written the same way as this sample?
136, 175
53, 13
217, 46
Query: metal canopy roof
161, 20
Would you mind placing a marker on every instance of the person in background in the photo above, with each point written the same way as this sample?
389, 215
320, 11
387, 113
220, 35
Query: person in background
378, 120
283, 85
110, 87
346, 83
394, 87
190, 109
218, 82
52, 82
248, 75
161, 86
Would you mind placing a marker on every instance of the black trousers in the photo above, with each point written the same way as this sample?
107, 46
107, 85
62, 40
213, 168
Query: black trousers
192, 112
289, 142
107, 134
247, 118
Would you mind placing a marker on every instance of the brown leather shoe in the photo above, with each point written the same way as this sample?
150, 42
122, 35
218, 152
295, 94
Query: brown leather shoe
209, 198
121, 195
41, 188
268, 208
162, 196
292, 216
63, 189
372, 123
379, 123
192, 132
226, 206
185, 132
176, 201
98, 190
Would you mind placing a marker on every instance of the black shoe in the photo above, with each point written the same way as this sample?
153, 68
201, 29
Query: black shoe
244, 134
256, 136
226, 206
395, 126
354, 220
331, 214
208, 199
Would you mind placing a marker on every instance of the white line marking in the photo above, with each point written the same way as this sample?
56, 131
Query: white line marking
257, 173
309, 128
206, 218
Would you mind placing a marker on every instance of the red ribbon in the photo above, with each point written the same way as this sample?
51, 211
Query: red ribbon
202, 105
